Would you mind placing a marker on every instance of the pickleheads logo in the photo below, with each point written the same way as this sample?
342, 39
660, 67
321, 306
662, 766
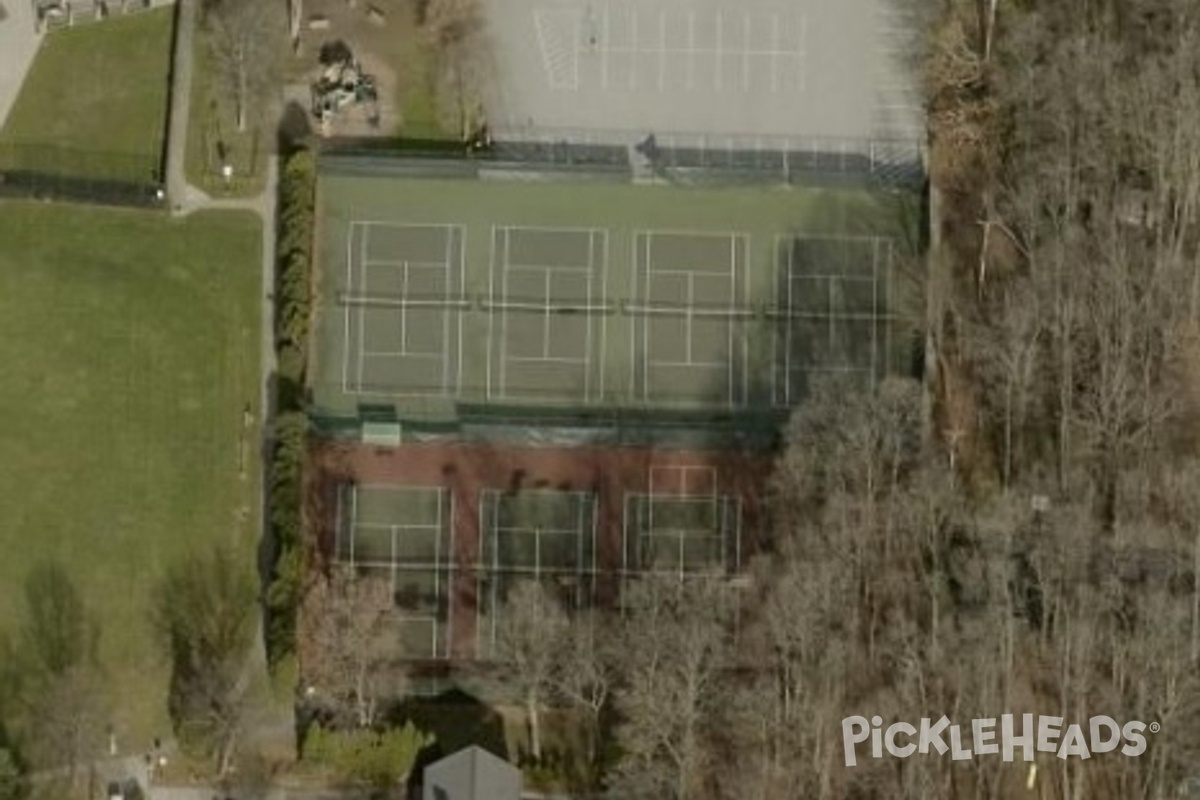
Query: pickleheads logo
900, 739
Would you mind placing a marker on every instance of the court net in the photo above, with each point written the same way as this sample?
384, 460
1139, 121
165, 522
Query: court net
403, 301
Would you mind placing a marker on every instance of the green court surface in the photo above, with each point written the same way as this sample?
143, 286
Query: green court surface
602, 294
130, 345
95, 101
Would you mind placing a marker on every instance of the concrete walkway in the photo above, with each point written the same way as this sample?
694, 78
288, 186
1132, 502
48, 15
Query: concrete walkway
186, 199
19, 40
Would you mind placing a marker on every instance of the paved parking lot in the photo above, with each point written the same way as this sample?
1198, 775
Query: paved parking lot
613, 70
18, 45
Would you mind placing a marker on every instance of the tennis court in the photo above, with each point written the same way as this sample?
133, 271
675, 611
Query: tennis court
543, 535
682, 525
690, 297
835, 296
588, 295
403, 535
547, 312
402, 300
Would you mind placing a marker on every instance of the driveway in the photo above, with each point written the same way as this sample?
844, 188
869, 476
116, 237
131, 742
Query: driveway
18, 45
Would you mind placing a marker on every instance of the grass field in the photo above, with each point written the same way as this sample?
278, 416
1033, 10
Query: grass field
721, 244
130, 345
100, 89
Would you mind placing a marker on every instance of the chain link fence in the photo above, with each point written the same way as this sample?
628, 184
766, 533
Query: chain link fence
672, 158
49, 172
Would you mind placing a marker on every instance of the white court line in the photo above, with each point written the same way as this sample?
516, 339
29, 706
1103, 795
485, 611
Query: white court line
633, 320
542, 267
787, 377
462, 257
545, 319
587, 347
403, 308
446, 319
450, 604
349, 287
576, 361
398, 354
544, 229
692, 271
362, 342
693, 232
748, 260
692, 365
504, 317
397, 262
492, 343
687, 325
389, 223
732, 305
603, 285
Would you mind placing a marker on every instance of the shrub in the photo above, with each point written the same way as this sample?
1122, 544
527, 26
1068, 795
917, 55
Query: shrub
380, 758
293, 308
286, 526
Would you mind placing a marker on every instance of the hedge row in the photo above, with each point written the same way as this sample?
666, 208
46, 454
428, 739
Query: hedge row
293, 307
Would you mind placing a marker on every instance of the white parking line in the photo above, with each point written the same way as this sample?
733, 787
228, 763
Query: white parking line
746, 52
720, 60
662, 49
775, 49
633, 64
604, 48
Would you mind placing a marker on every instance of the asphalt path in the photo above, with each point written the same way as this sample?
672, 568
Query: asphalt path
19, 40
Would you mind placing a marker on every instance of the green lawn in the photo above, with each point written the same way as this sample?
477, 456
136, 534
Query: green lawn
98, 88
130, 344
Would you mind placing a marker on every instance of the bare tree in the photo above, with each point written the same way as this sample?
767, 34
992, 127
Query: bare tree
586, 674
59, 671
204, 611
456, 31
245, 38
530, 640
355, 642
58, 632
676, 640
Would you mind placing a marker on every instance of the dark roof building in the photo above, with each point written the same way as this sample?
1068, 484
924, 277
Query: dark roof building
472, 774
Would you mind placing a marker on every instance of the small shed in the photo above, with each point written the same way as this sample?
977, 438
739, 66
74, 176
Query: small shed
471, 774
